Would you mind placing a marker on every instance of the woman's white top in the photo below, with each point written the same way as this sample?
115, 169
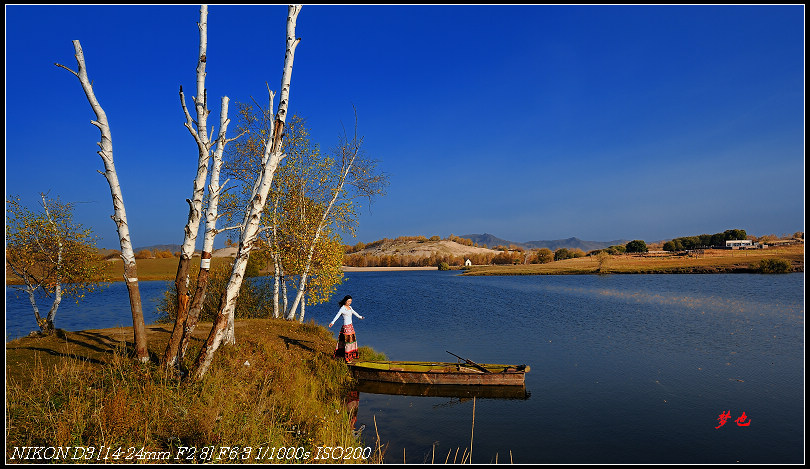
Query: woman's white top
346, 312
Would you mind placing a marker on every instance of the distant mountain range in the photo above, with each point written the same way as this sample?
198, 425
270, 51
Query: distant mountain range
570, 243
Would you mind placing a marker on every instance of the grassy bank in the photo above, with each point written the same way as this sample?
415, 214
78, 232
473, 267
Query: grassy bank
278, 387
710, 261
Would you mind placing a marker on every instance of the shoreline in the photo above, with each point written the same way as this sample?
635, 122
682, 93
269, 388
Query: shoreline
708, 262
384, 269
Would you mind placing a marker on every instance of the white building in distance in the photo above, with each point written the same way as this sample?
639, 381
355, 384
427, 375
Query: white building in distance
739, 244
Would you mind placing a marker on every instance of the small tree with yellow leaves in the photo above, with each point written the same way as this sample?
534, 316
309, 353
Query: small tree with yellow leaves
52, 254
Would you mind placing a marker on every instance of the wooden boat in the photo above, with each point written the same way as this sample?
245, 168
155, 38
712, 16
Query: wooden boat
439, 373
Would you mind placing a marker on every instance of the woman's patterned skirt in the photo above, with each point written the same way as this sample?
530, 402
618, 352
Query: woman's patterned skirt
347, 344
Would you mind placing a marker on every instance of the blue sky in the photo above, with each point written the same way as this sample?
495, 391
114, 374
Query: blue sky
527, 122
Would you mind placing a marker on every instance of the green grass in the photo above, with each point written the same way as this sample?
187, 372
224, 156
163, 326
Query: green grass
368, 353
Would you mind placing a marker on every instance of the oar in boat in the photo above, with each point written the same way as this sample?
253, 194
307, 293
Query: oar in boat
469, 362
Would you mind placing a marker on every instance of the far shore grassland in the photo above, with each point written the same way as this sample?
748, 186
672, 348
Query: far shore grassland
707, 261
277, 389
703, 262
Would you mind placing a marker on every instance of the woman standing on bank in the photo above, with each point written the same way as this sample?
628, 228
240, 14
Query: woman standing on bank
347, 341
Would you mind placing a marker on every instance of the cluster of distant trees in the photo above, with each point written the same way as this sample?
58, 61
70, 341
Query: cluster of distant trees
399, 260
703, 241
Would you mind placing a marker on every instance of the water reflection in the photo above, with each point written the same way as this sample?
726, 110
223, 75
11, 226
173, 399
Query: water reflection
352, 403
444, 390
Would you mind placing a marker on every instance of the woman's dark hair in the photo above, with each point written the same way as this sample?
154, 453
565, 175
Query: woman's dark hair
343, 301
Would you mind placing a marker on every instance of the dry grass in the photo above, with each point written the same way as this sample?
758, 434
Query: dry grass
148, 269
277, 387
711, 261
157, 269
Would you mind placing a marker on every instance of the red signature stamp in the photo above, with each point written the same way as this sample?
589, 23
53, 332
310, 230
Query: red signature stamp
740, 421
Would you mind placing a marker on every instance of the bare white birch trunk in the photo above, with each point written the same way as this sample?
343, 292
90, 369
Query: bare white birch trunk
211, 217
58, 288
276, 261
57, 298
276, 279
33, 299
272, 155
200, 135
30, 290
119, 216
284, 300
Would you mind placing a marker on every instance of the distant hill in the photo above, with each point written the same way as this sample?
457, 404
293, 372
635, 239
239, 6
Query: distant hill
416, 248
571, 243
490, 240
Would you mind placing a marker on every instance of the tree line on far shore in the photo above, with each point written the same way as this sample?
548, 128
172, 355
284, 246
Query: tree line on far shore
354, 257
686, 243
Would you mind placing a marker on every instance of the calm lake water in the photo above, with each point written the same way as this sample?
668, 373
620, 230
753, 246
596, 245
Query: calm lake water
624, 368
103, 309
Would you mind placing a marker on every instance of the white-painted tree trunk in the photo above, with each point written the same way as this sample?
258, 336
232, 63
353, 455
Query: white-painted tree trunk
250, 228
119, 216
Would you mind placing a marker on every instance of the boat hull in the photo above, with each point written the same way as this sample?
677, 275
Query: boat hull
439, 373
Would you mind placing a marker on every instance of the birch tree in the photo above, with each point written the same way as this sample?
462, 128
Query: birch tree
211, 231
199, 131
119, 216
355, 176
250, 225
51, 254
242, 163
302, 191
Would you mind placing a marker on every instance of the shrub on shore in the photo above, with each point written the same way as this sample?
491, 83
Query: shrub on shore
368, 353
775, 266
255, 297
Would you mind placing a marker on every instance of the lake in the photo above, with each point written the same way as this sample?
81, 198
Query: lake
102, 309
624, 368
